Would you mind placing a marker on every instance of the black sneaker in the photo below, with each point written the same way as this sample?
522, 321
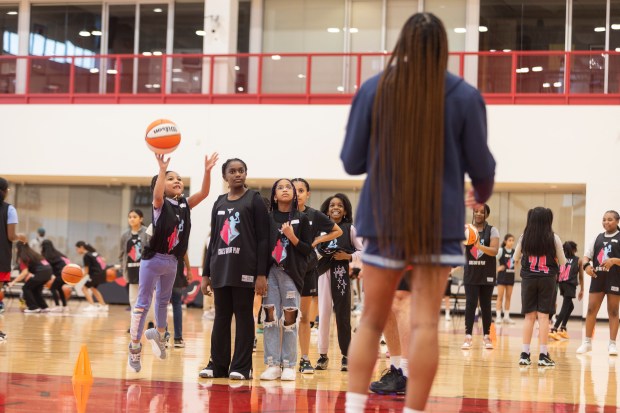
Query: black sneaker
167, 339
305, 367
207, 372
344, 366
179, 343
2, 336
391, 382
524, 360
322, 363
545, 361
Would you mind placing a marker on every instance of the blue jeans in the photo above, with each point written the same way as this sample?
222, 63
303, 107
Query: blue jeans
177, 312
157, 273
281, 295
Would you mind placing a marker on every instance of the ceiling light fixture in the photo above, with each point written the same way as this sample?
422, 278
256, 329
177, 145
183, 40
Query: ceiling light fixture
84, 33
200, 32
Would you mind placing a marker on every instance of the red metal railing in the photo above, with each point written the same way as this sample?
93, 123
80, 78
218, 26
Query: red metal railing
580, 77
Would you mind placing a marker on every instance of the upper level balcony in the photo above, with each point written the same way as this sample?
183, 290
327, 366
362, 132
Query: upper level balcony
549, 77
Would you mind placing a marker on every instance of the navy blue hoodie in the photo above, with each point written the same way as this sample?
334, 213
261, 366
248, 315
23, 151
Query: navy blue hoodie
465, 151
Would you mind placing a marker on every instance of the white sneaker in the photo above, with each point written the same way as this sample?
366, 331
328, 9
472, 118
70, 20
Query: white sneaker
488, 343
103, 308
508, 320
209, 314
467, 343
272, 373
498, 319
584, 348
56, 309
234, 375
288, 374
90, 308
612, 349
448, 318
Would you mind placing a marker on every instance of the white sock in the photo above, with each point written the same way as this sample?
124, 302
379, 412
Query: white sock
305, 357
588, 340
395, 361
135, 345
543, 349
498, 315
612, 342
404, 366
447, 312
408, 410
355, 402
526, 348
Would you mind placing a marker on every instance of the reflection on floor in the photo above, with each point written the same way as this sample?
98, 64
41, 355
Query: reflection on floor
38, 360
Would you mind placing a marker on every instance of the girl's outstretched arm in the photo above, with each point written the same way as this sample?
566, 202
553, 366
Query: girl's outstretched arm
198, 197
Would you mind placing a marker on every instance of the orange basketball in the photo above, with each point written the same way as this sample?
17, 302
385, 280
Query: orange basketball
471, 234
162, 136
72, 274
110, 274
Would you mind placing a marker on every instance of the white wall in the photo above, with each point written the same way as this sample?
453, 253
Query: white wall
538, 144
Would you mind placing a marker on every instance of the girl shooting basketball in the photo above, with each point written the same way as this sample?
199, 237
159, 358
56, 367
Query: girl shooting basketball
168, 244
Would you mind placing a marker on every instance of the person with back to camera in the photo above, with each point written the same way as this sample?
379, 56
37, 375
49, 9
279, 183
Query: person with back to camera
571, 276
235, 269
37, 242
601, 261
168, 244
540, 252
415, 130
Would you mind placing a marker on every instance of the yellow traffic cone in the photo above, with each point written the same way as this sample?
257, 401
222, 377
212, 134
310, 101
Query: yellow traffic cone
82, 372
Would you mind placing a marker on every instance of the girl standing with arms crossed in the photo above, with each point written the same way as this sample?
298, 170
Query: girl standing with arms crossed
93, 265
415, 130
334, 282
235, 267
540, 251
505, 279
319, 224
290, 241
479, 276
168, 244
601, 261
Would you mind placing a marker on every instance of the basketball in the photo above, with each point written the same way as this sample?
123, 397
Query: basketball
110, 274
162, 136
471, 234
72, 274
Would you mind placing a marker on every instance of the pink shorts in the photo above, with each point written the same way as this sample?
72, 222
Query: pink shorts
5, 276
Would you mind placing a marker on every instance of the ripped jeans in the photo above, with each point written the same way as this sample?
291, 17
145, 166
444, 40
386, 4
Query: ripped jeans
282, 297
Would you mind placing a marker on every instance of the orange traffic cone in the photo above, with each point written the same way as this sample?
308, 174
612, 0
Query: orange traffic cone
493, 334
82, 372
82, 380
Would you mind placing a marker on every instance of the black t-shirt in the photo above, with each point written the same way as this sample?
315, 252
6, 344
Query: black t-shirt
134, 256
40, 269
506, 260
319, 224
58, 264
605, 248
171, 231
239, 246
95, 264
293, 258
480, 268
569, 272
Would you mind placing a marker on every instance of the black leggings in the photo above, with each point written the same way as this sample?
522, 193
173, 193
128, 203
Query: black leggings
33, 291
565, 312
473, 294
57, 292
341, 297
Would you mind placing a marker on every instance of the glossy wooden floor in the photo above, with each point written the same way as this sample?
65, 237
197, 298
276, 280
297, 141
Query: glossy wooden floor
37, 362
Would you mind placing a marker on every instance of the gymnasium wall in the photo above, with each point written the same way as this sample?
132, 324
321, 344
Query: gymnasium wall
532, 144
